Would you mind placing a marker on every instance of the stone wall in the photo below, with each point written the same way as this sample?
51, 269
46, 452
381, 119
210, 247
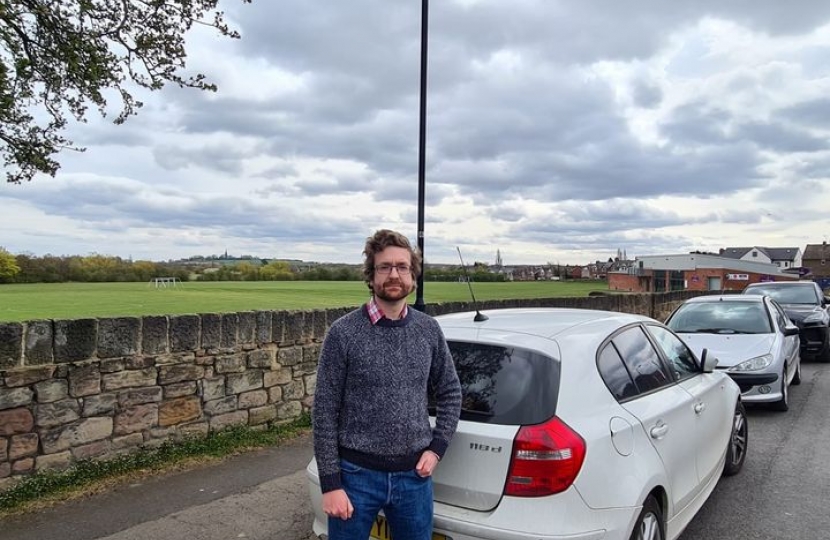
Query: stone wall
95, 388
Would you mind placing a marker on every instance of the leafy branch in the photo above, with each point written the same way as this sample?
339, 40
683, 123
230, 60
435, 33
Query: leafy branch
58, 57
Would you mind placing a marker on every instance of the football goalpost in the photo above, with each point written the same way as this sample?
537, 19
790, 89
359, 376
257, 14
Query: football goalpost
165, 282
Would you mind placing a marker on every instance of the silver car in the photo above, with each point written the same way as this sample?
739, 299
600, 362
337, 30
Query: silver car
752, 338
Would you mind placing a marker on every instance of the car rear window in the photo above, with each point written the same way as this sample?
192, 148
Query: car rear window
790, 294
505, 385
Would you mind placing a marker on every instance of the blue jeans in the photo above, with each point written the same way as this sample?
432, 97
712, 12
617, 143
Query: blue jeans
404, 497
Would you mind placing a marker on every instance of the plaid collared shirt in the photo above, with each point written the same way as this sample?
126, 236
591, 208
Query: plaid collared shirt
376, 314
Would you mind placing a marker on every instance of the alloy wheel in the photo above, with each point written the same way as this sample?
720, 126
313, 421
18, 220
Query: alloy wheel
650, 528
739, 437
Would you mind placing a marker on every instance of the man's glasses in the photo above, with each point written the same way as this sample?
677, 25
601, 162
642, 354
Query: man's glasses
403, 269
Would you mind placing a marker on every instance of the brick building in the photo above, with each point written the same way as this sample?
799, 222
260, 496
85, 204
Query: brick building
817, 259
693, 271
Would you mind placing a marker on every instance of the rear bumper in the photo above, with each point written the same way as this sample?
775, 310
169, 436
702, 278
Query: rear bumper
514, 519
564, 516
459, 530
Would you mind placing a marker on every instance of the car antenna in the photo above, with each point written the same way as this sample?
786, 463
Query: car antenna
480, 317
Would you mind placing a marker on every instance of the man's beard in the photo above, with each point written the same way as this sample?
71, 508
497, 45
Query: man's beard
388, 296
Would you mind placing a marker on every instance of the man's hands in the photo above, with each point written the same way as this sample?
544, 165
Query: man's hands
427, 463
337, 504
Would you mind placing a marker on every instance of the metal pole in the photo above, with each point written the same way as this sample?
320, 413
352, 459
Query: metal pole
419, 297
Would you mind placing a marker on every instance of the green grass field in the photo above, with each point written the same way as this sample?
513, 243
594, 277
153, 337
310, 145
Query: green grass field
80, 300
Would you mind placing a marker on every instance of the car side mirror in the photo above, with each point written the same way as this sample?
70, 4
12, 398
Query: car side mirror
709, 363
790, 330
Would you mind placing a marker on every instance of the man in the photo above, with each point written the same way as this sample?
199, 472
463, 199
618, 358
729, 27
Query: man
373, 442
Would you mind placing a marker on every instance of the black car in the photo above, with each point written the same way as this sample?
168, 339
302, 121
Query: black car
807, 306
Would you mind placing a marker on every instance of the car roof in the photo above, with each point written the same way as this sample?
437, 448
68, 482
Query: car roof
726, 298
542, 322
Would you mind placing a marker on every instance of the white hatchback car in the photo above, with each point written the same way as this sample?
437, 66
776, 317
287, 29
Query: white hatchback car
578, 424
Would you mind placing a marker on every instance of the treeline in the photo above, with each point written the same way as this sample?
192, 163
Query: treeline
102, 268
91, 268
477, 273
278, 271
27, 268
282, 271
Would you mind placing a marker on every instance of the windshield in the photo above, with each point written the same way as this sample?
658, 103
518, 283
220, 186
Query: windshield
792, 294
721, 318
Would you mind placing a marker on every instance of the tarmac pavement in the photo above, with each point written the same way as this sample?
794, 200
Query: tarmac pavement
259, 495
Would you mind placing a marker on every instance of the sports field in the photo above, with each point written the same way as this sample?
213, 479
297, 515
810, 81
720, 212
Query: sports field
80, 300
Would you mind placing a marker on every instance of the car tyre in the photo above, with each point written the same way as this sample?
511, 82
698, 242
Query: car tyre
824, 356
649, 524
783, 404
797, 377
738, 442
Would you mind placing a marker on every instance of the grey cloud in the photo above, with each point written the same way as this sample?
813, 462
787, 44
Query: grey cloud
387, 142
813, 113
225, 158
282, 170
620, 168
108, 134
593, 218
737, 215
100, 204
817, 168
696, 123
505, 212
779, 138
790, 201
646, 95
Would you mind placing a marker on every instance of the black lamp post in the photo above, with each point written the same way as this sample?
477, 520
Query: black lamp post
419, 297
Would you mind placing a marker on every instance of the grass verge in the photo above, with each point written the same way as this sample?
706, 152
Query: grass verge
86, 477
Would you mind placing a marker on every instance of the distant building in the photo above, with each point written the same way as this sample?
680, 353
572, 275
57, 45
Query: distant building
817, 259
693, 271
786, 257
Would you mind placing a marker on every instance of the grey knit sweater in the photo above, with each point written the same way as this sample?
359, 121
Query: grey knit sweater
370, 405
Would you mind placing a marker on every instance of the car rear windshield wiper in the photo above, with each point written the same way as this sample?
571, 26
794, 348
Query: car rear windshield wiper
432, 410
478, 413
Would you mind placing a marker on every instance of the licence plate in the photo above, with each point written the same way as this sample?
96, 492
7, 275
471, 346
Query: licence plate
380, 531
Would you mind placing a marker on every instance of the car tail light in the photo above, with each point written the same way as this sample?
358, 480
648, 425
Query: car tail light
546, 459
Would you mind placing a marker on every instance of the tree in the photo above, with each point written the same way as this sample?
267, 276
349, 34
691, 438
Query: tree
246, 271
276, 271
8, 266
144, 270
57, 58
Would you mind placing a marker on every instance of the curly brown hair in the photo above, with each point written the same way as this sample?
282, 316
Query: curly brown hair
382, 239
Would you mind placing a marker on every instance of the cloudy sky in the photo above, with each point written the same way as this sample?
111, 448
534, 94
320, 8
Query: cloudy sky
557, 132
